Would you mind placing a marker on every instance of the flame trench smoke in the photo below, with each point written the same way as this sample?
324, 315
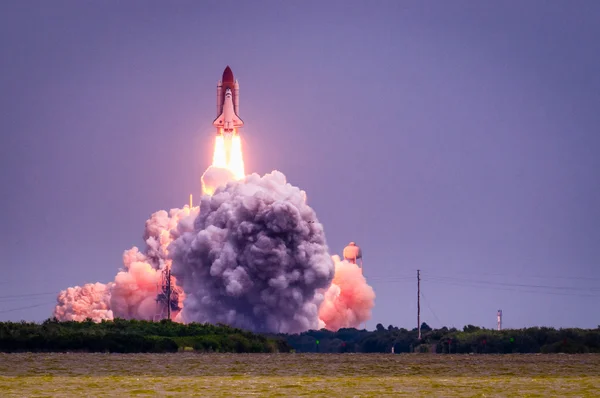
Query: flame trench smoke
255, 259
252, 255
133, 293
88, 301
349, 299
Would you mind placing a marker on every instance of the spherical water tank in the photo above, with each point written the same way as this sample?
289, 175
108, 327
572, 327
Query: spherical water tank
352, 252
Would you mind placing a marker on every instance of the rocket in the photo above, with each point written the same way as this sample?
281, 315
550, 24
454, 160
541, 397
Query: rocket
228, 105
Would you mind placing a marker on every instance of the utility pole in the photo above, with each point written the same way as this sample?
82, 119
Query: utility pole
419, 302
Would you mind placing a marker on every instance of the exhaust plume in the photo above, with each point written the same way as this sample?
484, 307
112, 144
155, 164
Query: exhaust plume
227, 164
255, 259
349, 300
133, 293
78, 303
253, 255
215, 177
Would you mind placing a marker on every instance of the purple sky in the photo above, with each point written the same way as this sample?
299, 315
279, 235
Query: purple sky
461, 138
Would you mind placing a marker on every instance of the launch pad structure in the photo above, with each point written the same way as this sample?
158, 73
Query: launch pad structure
167, 299
167, 295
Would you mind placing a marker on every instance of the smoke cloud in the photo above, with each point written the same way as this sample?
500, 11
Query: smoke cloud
252, 255
349, 299
78, 303
215, 177
133, 295
255, 259
134, 291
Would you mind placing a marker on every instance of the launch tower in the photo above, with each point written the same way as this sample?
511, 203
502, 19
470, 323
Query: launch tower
167, 299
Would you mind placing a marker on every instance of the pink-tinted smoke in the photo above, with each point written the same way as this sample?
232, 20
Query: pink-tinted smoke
78, 303
133, 293
349, 300
215, 177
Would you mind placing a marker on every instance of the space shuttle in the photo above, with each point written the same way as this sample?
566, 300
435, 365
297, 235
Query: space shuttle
228, 105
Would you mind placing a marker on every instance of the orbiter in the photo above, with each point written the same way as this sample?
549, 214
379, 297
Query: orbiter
228, 105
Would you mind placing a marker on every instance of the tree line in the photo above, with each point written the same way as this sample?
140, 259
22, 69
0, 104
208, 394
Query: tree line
132, 336
471, 339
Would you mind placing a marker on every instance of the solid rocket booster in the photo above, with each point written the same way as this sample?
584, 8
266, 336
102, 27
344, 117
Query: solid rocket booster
228, 104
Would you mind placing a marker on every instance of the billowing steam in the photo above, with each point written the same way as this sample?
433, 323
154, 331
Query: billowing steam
215, 177
255, 259
349, 299
78, 303
253, 255
134, 292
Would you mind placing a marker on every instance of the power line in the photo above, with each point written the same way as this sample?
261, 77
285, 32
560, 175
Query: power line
446, 283
26, 295
11, 299
451, 279
430, 309
392, 277
589, 291
23, 308
412, 277
585, 278
426, 274
391, 280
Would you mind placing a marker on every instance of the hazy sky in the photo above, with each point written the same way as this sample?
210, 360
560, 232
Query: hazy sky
461, 138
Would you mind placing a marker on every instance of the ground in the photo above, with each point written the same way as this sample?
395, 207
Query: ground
190, 374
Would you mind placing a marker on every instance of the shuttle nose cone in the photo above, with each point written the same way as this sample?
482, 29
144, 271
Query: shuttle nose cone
227, 75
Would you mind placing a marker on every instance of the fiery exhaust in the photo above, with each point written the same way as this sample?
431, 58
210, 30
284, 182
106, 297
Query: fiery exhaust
219, 154
227, 163
236, 160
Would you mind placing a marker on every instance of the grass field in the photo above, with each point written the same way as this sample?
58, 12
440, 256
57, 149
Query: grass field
189, 374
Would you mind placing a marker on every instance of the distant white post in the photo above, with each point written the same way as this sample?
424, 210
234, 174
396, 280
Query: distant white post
499, 319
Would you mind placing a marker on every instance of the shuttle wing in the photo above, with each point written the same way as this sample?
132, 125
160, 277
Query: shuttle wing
234, 121
220, 121
237, 122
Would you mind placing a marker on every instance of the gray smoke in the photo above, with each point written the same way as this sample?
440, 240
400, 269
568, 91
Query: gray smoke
256, 258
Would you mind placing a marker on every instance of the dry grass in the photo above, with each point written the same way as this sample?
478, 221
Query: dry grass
189, 374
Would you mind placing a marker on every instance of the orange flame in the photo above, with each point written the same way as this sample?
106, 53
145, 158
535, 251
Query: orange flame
236, 159
227, 155
220, 154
